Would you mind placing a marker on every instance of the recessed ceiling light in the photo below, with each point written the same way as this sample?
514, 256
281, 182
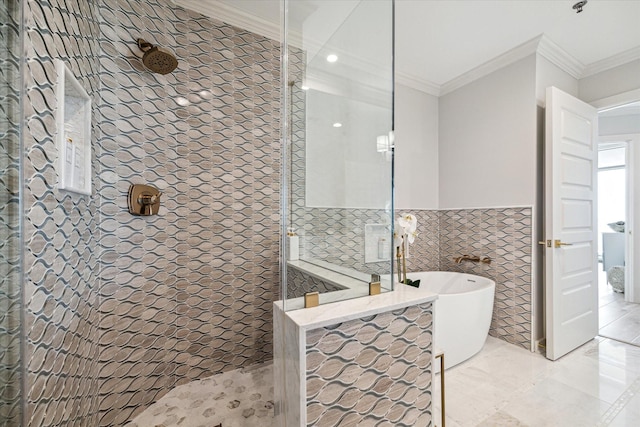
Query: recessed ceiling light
337, 125
332, 58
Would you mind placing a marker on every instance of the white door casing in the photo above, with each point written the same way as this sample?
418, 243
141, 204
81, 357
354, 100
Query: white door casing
571, 258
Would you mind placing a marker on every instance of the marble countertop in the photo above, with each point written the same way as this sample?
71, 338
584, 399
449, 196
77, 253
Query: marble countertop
332, 311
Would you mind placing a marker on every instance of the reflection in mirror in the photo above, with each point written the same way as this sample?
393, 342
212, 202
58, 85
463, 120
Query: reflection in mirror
338, 170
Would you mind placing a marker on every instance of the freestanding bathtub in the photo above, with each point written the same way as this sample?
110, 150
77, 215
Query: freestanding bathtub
462, 312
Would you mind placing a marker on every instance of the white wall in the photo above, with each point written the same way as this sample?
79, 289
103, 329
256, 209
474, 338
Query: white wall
549, 74
416, 129
618, 125
611, 82
487, 134
343, 168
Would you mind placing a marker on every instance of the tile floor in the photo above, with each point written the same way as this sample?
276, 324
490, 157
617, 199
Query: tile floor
504, 385
619, 320
596, 385
240, 398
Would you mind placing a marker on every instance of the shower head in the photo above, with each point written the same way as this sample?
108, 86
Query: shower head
157, 59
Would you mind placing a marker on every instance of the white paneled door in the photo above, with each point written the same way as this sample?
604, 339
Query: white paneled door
571, 259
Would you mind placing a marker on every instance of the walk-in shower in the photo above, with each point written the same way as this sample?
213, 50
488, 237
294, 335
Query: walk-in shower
103, 312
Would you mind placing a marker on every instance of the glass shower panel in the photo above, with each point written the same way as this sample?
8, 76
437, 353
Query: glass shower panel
10, 300
339, 139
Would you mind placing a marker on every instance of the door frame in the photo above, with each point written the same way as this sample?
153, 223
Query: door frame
632, 293
628, 141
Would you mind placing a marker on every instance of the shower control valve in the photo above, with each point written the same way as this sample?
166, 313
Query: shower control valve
143, 200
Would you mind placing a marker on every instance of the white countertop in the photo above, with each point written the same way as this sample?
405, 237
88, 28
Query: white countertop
330, 311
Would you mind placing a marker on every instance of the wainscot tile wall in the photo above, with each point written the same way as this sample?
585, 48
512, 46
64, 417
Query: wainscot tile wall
503, 234
299, 283
120, 309
336, 235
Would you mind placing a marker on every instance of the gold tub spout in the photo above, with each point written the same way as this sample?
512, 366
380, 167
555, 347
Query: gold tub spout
459, 259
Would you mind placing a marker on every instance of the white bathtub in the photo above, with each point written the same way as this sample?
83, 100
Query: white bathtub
462, 312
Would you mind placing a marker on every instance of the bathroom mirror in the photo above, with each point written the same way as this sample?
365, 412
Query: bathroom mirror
339, 152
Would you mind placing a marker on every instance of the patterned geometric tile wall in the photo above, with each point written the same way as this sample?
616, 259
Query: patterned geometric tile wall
299, 283
162, 300
61, 228
505, 235
424, 252
10, 295
187, 293
371, 371
336, 235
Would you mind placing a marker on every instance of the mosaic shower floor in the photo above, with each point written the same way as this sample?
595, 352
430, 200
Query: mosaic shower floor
240, 398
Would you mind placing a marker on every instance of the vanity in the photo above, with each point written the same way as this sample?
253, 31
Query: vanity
358, 361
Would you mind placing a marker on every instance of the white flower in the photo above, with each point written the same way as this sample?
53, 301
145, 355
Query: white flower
408, 222
405, 229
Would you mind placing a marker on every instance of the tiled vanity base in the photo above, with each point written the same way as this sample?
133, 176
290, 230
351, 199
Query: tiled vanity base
364, 369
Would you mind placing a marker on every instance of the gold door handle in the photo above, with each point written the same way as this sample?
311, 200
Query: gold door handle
558, 244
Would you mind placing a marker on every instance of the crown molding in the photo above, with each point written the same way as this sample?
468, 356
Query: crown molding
232, 16
417, 83
500, 61
541, 45
613, 61
560, 57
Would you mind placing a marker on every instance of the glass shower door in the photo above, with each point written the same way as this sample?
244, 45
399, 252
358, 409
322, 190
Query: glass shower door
338, 133
10, 291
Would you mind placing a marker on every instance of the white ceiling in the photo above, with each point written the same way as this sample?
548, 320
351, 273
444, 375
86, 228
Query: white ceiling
453, 37
439, 40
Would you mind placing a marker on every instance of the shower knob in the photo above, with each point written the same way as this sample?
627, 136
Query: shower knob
143, 200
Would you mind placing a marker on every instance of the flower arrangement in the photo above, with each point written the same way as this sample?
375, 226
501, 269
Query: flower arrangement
404, 234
